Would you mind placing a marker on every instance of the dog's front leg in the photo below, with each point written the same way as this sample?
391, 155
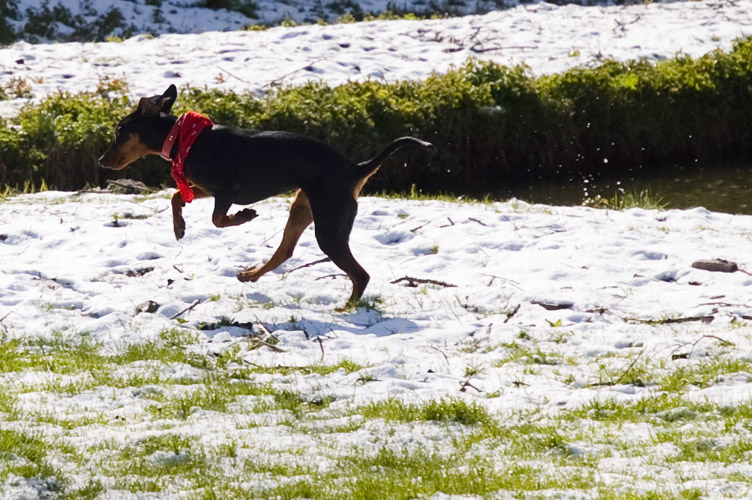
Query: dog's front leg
178, 223
221, 219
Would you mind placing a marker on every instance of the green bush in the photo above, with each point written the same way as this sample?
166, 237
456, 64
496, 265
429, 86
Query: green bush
493, 126
248, 8
8, 10
58, 141
42, 24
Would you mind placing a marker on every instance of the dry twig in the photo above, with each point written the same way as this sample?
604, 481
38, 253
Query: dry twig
414, 282
311, 264
511, 313
189, 308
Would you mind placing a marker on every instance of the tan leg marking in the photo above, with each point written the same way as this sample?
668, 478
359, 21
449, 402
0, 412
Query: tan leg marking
300, 218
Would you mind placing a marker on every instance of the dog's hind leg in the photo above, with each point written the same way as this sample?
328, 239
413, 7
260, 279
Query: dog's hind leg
334, 217
300, 218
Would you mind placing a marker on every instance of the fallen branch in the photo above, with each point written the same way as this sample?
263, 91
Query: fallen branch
264, 343
467, 384
335, 275
623, 374
724, 342
416, 229
232, 75
261, 325
414, 282
311, 264
668, 321
451, 223
629, 368
480, 50
4, 317
307, 67
511, 313
189, 308
479, 222
4, 329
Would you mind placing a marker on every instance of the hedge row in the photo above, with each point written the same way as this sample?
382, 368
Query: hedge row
492, 125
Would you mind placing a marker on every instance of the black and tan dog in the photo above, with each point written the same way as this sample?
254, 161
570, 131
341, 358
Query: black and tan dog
239, 166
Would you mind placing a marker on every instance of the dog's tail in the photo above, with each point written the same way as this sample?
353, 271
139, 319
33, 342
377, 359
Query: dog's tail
368, 167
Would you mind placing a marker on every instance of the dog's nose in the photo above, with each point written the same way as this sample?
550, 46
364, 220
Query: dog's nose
101, 162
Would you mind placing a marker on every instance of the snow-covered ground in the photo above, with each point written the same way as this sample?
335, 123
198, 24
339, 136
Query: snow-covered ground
594, 294
180, 16
546, 37
83, 263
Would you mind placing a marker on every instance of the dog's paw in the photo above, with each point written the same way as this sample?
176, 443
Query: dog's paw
248, 275
179, 229
246, 214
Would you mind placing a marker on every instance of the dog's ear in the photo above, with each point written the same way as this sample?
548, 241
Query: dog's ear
150, 106
153, 106
168, 98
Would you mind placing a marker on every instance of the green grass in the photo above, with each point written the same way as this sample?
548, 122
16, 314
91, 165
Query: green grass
644, 199
175, 418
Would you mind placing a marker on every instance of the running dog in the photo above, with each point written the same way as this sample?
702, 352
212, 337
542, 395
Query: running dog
239, 166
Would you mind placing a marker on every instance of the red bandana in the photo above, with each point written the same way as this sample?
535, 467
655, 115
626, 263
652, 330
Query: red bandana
187, 128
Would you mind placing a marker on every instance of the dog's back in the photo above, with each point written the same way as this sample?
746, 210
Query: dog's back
259, 164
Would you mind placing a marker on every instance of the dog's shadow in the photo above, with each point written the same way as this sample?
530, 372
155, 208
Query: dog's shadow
361, 321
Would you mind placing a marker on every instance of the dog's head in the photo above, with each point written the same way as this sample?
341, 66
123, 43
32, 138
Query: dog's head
138, 134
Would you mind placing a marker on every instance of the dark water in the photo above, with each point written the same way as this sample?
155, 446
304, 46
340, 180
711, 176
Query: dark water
720, 188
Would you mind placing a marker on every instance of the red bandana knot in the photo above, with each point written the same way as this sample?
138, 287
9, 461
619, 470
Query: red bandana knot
186, 129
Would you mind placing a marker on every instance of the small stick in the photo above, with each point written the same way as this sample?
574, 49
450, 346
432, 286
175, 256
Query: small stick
416, 229
336, 275
277, 80
479, 222
451, 223
268, 334
512, 313
267, 344
631, 365
668, 321
411, 282
189, 308
234, 76
311, 264
260, 324
467, 384
478, 50
723, 342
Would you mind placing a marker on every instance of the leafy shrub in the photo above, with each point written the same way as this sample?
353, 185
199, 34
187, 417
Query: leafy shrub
58, 141
8, 10
492, 125
42, 24
248, 8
